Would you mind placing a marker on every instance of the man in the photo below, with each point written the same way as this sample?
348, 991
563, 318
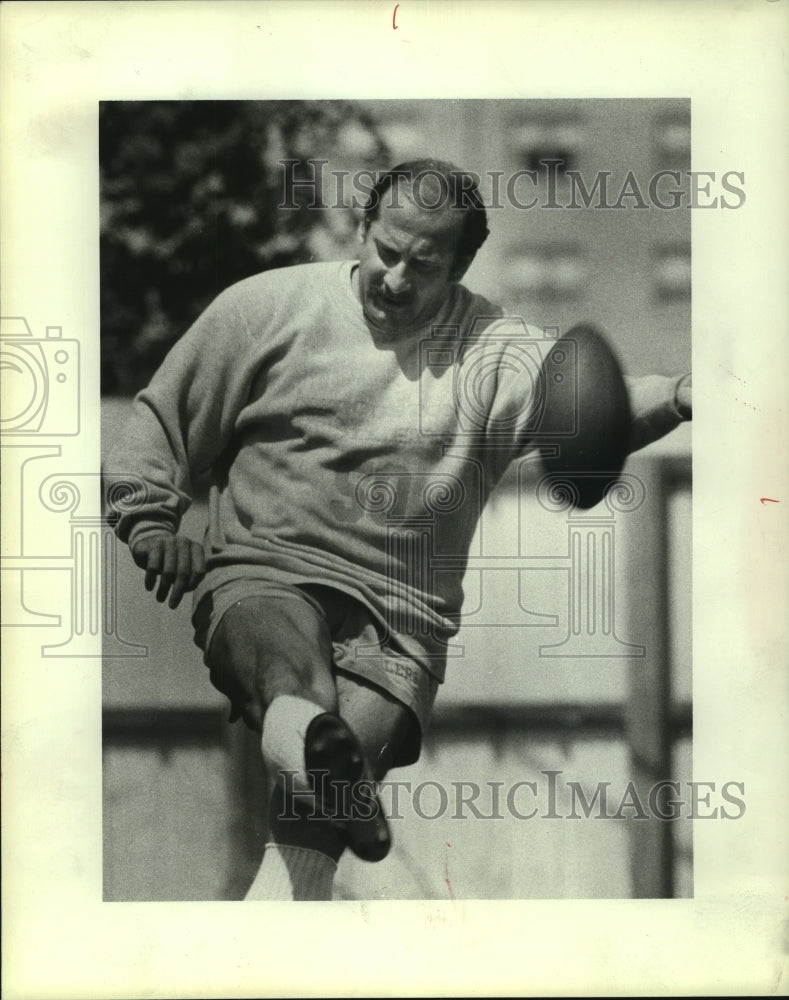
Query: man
347, 481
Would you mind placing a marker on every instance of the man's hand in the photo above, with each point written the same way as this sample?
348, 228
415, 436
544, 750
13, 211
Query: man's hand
178, 563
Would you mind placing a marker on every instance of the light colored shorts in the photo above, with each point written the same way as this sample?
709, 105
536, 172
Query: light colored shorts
357, 649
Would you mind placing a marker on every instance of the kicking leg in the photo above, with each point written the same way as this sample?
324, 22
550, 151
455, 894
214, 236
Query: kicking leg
271, 655
378, 723
378, 719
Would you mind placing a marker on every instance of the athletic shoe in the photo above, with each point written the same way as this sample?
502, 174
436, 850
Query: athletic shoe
335, 763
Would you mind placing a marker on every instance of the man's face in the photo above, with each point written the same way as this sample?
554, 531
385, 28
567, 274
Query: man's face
408, 263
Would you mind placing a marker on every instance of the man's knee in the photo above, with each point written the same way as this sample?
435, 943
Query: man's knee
380, 722
259, 653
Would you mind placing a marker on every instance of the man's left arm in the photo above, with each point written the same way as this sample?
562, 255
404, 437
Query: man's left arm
659, 403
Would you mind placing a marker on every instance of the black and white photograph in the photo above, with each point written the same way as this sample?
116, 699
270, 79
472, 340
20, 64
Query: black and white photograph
366, 561
428, 560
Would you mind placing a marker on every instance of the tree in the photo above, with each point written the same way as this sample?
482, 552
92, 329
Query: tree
190, 196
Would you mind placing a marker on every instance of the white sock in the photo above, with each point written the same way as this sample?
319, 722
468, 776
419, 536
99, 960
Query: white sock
293, 873
284, 729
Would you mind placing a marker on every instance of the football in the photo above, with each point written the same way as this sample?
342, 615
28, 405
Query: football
585, 422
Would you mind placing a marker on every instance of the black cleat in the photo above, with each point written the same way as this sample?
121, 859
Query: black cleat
335, 763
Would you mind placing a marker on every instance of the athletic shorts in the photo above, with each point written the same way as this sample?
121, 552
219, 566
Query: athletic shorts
357, 648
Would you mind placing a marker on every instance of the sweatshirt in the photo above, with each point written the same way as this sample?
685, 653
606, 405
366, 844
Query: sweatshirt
337, 454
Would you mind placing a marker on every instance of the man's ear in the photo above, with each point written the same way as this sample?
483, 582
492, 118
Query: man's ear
362, 229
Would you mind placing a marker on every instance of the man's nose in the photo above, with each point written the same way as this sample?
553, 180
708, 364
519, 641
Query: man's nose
396, 279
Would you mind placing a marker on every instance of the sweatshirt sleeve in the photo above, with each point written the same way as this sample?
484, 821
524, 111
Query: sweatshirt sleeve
181, 423
654, 406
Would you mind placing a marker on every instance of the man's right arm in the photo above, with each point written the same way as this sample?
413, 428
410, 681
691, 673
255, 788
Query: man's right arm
178, 427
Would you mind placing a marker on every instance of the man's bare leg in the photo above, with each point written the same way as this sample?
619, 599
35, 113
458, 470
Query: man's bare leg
275, 656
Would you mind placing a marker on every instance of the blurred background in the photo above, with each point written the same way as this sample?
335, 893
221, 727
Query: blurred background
592, 682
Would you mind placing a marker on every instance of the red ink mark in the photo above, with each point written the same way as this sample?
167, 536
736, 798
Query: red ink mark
764, 500
446, 874
394, 16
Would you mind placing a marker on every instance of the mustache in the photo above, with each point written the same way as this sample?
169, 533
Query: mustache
387, 296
